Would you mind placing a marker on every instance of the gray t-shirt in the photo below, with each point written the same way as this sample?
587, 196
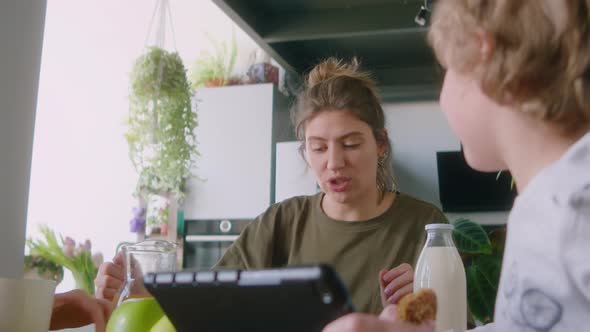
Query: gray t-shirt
545, 281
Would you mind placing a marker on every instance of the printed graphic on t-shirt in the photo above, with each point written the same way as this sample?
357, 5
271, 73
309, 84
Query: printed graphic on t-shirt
580, 200
575, 251
529, 307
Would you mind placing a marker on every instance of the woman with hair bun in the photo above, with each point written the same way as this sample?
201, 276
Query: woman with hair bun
359, 223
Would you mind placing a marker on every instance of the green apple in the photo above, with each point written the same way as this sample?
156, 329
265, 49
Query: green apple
163, 325
135, 315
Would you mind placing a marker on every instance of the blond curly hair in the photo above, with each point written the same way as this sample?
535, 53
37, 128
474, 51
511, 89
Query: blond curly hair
540, 58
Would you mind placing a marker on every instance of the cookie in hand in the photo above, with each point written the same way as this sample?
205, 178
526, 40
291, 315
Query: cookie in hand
418, 307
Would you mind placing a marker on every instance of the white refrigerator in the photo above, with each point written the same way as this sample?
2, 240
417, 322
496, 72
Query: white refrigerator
292, 175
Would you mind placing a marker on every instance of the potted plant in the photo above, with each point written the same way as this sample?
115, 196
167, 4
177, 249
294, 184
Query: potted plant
211, 70
481, 251
161, 124
54, 254
37, 267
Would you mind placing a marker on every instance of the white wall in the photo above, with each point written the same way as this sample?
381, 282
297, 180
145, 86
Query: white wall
21, 28
418, 130
81, 177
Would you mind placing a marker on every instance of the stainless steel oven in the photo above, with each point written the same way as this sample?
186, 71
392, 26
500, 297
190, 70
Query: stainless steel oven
206, 240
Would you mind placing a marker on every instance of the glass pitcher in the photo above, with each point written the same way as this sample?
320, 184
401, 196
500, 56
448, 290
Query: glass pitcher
141, 258
440, 268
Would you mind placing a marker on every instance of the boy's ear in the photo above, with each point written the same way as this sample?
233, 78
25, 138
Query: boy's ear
487, 47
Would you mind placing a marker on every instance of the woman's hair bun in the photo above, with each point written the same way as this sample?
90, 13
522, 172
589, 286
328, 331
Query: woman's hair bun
331, 68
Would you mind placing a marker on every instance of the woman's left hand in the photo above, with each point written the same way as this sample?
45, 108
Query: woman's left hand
396, 283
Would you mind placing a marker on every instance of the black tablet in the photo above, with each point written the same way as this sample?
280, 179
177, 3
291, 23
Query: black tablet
291, 299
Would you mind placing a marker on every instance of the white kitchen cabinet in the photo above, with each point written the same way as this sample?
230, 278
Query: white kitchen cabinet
234, 138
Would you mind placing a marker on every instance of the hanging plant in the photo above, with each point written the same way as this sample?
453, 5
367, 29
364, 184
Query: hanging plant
161, 139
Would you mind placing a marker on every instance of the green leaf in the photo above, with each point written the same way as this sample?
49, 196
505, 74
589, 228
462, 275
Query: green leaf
498, 239
471, 238
482, 285
490, 267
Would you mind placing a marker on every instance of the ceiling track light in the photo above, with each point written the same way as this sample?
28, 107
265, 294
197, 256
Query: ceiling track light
423, 13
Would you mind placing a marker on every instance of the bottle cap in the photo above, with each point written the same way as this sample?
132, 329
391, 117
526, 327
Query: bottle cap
439, 226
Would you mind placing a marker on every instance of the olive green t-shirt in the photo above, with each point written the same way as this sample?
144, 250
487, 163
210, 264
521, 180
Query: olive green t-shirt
296, 231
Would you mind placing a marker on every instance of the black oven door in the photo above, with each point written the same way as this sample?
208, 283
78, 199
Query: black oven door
206, 241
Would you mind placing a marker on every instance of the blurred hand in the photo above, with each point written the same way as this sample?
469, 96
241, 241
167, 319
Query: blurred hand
110, 278
386, 322
76, 309
396, 283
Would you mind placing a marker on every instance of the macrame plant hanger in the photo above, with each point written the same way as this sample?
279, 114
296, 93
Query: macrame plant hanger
161, 14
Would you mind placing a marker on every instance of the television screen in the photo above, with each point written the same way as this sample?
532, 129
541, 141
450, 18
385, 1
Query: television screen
463, 189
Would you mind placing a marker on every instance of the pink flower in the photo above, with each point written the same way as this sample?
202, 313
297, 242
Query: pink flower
68, 250
79, 250
69, 247
87, 245
97, 259
69, 242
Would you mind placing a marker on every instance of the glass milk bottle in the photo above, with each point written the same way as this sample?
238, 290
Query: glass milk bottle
441, 269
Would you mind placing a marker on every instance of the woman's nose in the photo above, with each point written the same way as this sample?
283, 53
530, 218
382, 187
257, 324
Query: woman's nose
335, 159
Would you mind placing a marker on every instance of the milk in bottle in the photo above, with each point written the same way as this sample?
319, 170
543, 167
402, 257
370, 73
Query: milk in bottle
440, 268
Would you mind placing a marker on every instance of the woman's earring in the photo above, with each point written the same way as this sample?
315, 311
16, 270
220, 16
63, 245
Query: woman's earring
381, 160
